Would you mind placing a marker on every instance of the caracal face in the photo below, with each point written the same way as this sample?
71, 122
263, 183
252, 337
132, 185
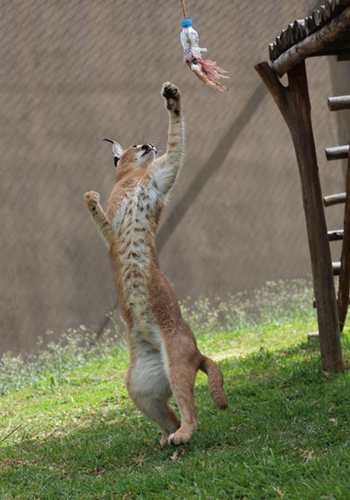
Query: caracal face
137, 156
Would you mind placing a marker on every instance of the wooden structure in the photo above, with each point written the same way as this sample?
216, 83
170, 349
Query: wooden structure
342, 268
325, 32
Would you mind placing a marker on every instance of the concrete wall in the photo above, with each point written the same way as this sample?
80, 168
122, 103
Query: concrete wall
73, 72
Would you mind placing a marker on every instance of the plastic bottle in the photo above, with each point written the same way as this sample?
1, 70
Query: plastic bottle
190, 41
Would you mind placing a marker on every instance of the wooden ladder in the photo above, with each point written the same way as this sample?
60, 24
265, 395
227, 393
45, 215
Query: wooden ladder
341, 268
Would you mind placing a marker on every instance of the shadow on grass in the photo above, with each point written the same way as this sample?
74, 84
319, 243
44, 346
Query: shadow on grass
281, 405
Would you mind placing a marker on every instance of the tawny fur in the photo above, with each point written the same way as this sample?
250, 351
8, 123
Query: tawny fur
164, 357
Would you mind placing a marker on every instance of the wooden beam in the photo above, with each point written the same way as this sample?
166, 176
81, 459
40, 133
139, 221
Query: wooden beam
335, 235
302, 28
340, 4
340, 49
342, 57
336, 268
314, 43
342, 52
294, 104
339, 102
337, 153
334, 199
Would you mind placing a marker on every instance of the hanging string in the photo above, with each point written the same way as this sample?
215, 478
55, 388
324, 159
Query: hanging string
184, 8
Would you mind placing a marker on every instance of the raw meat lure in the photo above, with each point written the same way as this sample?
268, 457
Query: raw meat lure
205, 69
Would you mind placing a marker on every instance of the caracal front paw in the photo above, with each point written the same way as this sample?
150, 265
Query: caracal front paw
172, 95
92, 199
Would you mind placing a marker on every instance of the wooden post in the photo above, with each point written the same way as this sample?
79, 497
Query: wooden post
344, 275
294, 104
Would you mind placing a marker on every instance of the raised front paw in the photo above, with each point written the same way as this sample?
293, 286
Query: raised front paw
172, 96
92, 199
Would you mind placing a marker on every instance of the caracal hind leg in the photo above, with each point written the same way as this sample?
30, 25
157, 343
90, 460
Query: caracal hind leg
182, 383
183, 365
149, 388
160, 412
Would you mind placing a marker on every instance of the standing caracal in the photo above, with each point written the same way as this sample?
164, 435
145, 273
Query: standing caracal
164, 357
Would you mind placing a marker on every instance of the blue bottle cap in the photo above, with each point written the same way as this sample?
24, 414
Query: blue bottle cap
186, 23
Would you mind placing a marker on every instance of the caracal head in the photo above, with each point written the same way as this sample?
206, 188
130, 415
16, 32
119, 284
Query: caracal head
138, 156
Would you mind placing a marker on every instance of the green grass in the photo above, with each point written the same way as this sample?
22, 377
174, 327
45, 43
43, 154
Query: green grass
286, 432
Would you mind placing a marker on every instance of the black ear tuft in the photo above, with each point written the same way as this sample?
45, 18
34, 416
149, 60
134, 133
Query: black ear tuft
116, 159
108, 140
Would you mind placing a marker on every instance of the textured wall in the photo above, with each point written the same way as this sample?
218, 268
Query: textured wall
74, 71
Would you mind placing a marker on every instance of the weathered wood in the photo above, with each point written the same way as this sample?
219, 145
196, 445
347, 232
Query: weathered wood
300, 29
326, 12
335, 235
337, 153
286, 39
342, 51
299, 32
317, 17
339, 102
341, 57
294, 104
344, 276
310, 24
333, 4
336, 268
339, 4
314, 43
334, 199
272, 51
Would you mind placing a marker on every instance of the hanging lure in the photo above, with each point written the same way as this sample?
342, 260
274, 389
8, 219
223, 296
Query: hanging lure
205, 69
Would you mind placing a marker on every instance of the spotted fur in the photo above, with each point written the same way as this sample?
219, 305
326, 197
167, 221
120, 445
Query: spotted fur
164, 357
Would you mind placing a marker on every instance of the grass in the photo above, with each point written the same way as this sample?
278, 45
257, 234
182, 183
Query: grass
286, 433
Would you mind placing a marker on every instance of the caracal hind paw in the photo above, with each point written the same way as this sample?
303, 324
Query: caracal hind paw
179, 437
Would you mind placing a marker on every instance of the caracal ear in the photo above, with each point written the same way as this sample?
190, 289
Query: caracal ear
117, 149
